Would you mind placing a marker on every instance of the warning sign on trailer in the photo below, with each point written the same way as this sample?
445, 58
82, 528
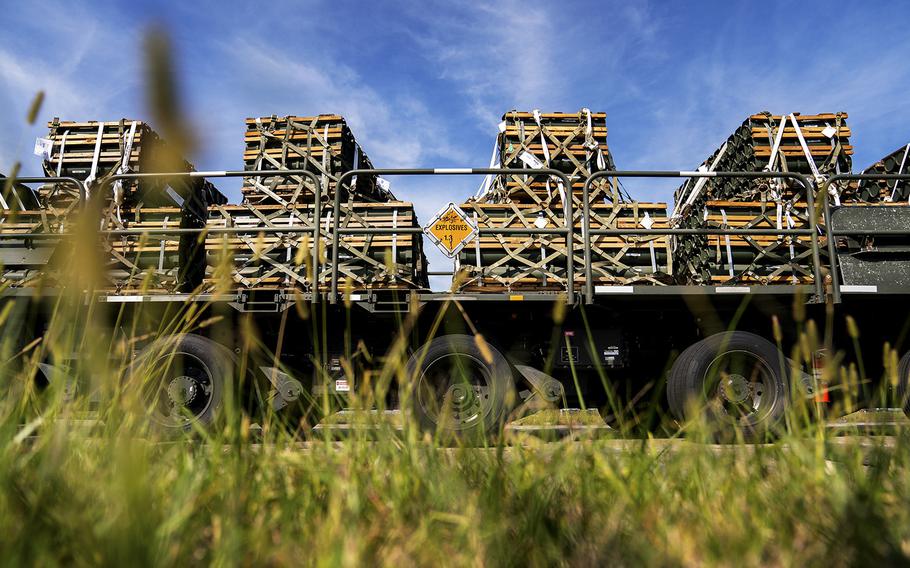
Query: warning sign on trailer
451, 229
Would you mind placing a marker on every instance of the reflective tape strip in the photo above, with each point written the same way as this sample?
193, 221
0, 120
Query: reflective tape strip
705, 174
733, 290
516, 298
858, 289
614, 289
453, 170
213, 173
123, 299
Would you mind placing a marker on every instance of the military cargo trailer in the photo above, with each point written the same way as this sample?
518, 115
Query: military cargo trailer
649, 346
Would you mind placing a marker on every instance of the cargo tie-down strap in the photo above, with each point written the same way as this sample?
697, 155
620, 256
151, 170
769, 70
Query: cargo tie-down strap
124, 167
697, 187
487, 182
900, 170
93, 173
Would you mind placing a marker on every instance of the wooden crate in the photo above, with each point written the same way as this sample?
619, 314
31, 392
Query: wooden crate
759, 259
754, 203
275, 260
157, 263
574, 143
124, 146
322, 144
25, 262
538, 262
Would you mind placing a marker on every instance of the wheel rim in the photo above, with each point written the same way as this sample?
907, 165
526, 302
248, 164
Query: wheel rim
740, 387
454, 391
181, 390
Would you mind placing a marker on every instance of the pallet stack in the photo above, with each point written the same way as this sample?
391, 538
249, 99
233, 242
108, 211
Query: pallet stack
813, 145
576, 144
894, 191
23, 261
324, 145
92, 152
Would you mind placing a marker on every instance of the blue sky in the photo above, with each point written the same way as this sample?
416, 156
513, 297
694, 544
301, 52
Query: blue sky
423, 84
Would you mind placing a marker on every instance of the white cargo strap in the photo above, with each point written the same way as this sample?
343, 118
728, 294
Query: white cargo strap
356, 158
258, 165
117, 188
93, 173
790, 224
161, 249
819, 179
477, 260
394, 237
494, 163
325, 160
546, 164
647, 222
830, 132
699, 185
62, 149
900, 170
776, 147
543, 264
723, 215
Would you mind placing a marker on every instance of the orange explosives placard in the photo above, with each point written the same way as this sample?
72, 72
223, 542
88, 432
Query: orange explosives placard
451, 229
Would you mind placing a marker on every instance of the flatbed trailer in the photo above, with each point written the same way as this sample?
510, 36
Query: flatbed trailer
463, 362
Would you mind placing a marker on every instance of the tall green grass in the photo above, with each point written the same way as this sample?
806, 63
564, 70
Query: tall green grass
85, 481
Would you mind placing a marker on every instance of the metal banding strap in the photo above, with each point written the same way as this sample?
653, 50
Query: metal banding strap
62, 149
161, 247
394, 237
117, 187
93, 173
900, 170
723, 215
477, 257
494, 163
698, 186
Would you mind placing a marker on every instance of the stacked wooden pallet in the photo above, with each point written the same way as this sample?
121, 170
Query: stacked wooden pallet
576, 144
322, 144
866, 191
92, 152
277, 260
24, 261
815, 146
325, 145
519, 262
573, 143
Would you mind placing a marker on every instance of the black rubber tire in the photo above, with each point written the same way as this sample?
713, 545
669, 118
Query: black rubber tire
903, 383
497, 376
686, 381
217, 363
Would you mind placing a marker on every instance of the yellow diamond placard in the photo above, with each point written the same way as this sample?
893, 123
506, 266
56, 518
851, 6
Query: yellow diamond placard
451, 229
